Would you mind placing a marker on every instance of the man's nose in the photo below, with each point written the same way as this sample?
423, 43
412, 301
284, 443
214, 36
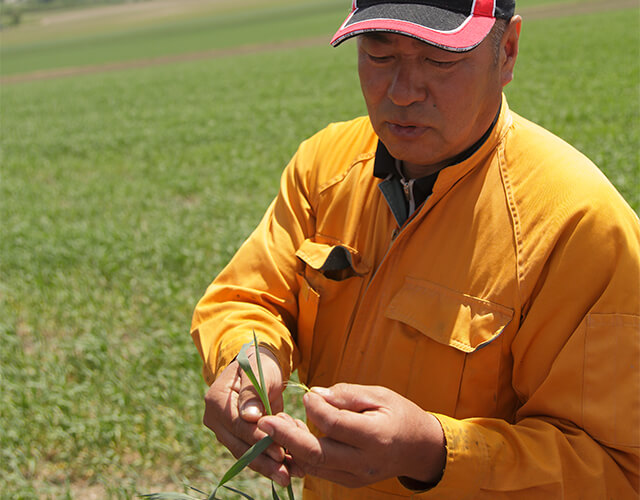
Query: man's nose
407, 85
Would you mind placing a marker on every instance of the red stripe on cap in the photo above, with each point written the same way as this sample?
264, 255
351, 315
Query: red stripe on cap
468, 35
484, 8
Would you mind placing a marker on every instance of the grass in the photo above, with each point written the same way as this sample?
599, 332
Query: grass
127, 35
109, 42
586, 89
121, 196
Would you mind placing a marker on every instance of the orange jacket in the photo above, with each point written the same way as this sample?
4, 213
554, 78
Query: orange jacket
508, 305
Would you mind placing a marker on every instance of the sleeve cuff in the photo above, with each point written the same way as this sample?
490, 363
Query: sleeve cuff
467, 465
416, 486
228, 352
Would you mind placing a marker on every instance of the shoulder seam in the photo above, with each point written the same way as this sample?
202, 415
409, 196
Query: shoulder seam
338, 178
515, 220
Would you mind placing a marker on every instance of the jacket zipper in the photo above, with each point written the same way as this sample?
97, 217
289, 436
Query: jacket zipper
407, 187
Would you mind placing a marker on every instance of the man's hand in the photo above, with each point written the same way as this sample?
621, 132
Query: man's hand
232, 409
370, 434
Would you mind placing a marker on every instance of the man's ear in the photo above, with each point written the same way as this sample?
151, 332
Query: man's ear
509, 49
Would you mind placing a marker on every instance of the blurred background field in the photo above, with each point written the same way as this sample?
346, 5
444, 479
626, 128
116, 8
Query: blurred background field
124, 191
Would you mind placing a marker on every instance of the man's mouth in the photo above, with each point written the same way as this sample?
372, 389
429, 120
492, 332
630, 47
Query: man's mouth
406, 130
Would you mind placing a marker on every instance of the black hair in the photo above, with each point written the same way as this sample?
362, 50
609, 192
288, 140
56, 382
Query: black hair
496, 34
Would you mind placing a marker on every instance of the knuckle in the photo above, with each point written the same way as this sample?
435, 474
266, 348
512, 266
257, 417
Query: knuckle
310, 470
383, 442
316, 457
332, 423
340, 387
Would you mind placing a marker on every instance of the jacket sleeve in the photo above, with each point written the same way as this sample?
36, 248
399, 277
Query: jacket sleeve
576, 370
257, 290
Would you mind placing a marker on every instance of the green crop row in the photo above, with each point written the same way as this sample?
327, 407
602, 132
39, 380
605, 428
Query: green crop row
122, 194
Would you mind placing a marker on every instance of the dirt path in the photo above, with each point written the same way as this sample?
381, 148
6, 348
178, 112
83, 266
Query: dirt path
147, 9
539, 12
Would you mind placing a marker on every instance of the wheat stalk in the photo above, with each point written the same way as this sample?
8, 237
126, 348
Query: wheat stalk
252, 453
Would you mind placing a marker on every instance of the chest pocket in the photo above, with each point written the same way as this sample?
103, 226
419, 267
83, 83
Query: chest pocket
458, 347
330, 285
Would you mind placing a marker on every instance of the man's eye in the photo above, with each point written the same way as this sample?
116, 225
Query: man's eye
441, 64
380, 59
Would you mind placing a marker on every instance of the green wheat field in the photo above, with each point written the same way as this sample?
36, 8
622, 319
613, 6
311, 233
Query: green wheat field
123, 191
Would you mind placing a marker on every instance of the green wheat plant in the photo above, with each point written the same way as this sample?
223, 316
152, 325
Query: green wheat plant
297, 385
252, 453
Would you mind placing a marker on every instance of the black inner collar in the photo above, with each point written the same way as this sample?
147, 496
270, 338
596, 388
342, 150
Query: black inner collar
385, 163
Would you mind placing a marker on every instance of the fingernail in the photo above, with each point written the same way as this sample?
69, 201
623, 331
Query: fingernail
251, 409
321, 391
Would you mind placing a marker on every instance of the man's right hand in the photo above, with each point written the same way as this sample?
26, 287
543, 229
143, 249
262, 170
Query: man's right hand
233, 408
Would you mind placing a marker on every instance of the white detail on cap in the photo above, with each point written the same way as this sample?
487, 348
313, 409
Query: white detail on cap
420, 26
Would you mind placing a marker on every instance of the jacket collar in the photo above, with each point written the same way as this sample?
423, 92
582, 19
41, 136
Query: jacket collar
385, 164
452, 174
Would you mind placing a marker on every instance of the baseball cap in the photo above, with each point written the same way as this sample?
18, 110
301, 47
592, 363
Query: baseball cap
455, 25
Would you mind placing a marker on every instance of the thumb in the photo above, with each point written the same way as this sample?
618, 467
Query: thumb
342, 412
352, 397
249, 403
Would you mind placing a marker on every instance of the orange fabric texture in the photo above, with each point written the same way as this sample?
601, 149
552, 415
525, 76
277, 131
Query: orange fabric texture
507, 305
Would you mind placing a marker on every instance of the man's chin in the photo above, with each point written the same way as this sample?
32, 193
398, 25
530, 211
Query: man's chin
406, 154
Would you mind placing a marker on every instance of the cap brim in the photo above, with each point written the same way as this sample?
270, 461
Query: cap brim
432, 25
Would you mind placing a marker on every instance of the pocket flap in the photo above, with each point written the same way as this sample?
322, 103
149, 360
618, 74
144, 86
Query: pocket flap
448, 317
325, 257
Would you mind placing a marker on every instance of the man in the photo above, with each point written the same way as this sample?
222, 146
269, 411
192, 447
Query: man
459, 286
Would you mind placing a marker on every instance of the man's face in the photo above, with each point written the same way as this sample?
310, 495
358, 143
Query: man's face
427, 104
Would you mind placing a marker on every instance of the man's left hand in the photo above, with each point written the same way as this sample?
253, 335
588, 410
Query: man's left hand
370, 434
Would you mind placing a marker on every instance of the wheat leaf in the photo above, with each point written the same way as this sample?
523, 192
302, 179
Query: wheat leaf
297, 385
274, 493
196, 489
243, 361
290, 492
261, 375
248, 457
241, 493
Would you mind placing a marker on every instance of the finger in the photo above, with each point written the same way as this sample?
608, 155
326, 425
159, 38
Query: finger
263, 463
222, 417
221, 401
294, 469
250, 404
342, 425
306, 449
353, 397
322, 457
291, 420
